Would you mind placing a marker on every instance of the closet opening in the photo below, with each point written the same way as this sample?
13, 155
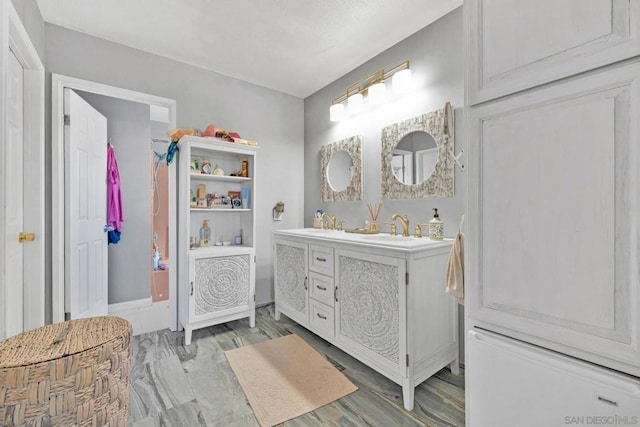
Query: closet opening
141, 281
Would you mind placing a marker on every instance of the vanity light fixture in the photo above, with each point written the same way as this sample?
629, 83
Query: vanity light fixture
376, 93
401, 81
337, 112
371, 89
355, 102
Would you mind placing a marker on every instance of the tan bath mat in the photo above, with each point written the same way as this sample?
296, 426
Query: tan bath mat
285, 377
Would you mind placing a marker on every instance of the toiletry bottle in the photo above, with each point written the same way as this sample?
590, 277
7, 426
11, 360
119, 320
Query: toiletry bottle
205, 233
245, 168
436, 227
317, 219
156, 260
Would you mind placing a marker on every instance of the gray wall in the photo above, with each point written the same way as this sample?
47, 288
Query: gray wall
31, 18
130, 262
203, 97
436, 59
435, 53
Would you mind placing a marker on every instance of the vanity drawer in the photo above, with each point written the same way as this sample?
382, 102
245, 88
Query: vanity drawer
321, 288
321, 259
321, 318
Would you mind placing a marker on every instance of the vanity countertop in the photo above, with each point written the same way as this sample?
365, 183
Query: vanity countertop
381, 240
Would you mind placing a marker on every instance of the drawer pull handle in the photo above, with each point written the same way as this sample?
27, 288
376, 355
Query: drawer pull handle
607, 401
191, 288
305, 283
323, 317
335, 294
321, 259
322, 288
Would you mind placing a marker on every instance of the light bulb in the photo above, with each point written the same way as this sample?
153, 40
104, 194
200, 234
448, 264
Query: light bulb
355, 103
401, 81
336, 112
376, 93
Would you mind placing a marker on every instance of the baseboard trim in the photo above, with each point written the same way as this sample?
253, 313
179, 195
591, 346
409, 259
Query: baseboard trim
129, 305
263, 303
143, 314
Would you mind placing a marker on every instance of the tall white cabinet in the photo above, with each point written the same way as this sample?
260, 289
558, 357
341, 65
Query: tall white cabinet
552, 116
216, 283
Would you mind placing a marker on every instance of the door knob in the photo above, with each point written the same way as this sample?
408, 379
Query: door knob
26, 236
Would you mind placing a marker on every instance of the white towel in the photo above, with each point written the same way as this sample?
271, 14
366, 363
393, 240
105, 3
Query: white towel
455, 270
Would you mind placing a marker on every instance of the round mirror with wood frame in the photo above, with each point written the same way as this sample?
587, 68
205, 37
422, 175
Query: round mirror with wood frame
341, 170
435, 175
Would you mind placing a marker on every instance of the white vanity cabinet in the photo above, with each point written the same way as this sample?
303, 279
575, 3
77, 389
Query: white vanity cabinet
216, 284
379, 298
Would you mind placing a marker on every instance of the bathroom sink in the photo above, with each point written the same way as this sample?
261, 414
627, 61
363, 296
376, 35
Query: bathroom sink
377, 240
317, 230
387, 238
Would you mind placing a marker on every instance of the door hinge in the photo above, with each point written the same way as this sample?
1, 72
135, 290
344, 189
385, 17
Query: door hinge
67, 119
407, 360
406, 278
254, 297
254, 258
67, 316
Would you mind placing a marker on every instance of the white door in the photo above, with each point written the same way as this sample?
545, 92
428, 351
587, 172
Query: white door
14, 319
86, 209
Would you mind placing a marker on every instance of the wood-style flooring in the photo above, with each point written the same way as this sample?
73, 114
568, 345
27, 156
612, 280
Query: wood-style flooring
176, 385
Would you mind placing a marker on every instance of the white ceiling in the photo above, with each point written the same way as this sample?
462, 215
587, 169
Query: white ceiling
293, 46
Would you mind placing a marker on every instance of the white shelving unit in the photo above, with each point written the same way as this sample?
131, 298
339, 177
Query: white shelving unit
216, 284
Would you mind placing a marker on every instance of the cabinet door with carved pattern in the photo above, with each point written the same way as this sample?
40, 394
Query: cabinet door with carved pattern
291, 280
220, 285
371, 307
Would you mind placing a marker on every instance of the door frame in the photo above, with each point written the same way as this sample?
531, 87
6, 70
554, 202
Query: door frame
58, 84
15, 38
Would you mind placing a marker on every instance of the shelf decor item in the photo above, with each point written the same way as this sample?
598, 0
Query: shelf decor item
373, 227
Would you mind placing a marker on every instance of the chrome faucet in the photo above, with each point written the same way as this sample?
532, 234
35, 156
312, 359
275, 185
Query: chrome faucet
404, 220
330, 219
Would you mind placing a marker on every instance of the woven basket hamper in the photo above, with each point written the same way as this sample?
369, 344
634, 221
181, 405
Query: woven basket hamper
73, 373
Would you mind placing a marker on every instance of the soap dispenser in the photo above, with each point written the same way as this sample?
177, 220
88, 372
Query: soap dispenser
205, 233
436, 227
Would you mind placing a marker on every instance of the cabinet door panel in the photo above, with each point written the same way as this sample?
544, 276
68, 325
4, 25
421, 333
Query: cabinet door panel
220, 284
554, 182
518, 45
370, 305
291, 280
